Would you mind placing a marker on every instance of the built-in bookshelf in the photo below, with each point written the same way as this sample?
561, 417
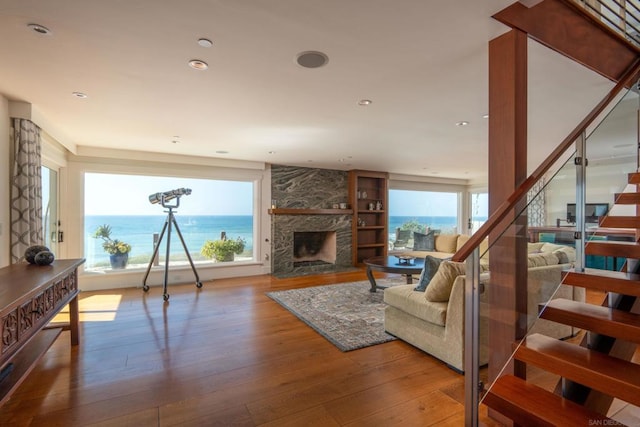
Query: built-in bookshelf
368, 197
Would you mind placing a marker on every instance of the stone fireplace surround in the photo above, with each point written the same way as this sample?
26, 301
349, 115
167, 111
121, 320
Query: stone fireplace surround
308, 188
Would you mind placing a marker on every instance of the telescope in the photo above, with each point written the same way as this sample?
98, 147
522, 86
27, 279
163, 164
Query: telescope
168, 195
170, 222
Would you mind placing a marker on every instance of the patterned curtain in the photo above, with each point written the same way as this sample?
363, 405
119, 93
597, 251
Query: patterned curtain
26, 189
536, 211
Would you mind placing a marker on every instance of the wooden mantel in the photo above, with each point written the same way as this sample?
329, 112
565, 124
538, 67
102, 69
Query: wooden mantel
293, 211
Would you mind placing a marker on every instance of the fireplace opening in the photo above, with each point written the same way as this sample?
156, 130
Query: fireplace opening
314, 248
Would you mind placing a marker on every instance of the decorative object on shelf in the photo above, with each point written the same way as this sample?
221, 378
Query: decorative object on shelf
378, 205
118, 251
371, 206
32, 251
223, 249
44, 258
359, 195
364, 194
274, 204
336, 206
343, 206
361, 222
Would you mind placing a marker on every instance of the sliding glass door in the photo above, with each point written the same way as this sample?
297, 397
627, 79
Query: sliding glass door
50, 219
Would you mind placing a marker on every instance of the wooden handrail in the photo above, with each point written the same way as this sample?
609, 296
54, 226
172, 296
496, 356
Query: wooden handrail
508, 205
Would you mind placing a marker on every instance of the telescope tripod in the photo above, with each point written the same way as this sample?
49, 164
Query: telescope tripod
170, 221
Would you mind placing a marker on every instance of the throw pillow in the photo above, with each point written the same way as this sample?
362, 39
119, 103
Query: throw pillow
446, 243
563, 258
439, 288
431, 265
424, 242
542, 259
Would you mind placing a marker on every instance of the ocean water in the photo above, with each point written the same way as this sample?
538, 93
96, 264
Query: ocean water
138, 231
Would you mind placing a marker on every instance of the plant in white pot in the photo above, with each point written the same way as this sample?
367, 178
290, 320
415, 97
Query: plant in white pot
118, 251
223, 249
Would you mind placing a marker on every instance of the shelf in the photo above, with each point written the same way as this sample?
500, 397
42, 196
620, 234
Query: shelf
372, 245
25, 360
369, 239
367, 211
287, 211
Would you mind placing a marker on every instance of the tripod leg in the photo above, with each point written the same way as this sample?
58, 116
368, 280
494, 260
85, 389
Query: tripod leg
170, 220
155, 252
186, 251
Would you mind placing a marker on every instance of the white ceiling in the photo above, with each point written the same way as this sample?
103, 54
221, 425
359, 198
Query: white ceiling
422, 63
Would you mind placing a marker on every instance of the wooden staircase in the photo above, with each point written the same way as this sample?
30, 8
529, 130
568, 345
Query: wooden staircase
602, 366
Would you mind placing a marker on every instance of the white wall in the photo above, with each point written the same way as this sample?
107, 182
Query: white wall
5, 172
603, 180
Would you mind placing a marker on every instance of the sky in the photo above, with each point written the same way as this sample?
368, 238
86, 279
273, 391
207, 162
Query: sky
114, 194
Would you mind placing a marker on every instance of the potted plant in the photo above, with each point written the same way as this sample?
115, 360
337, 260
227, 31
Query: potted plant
223, 249
118, 251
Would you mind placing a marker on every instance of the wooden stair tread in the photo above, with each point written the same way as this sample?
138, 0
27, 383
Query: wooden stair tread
602, 320
633, 178
612, 376
604, 280
627, 199
613, 248
530, 405
620, 221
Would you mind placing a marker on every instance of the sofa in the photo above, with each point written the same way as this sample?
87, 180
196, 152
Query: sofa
437, 245
437, 327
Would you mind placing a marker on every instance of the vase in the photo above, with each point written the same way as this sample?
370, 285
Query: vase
226, 257
119, 261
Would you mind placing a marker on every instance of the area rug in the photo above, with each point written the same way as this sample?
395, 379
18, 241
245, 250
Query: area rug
346, 314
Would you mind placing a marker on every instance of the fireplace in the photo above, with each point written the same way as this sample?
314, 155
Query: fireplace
305, 239
314, 248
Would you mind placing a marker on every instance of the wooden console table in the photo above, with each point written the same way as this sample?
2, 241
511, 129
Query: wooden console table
30, 296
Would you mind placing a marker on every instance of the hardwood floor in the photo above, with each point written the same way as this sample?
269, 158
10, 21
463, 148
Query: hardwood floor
226, 355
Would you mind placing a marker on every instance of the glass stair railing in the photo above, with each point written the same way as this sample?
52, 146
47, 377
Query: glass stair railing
565, 260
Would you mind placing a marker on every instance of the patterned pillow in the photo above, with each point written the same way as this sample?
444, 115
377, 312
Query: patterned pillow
431, 265
424, 242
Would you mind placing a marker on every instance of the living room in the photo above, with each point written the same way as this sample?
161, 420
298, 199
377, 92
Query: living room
428, 140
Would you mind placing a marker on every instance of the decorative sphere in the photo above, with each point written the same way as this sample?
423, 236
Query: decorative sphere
32, 251
44, 258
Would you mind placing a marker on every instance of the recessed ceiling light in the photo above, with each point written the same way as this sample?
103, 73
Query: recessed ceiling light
205, 42
175, 139
485, 116
462, 123
312, 59
222, 152
197, 64
40, 29
365, 102
79, 95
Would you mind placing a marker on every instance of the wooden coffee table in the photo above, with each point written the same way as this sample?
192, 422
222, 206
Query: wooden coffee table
392, 264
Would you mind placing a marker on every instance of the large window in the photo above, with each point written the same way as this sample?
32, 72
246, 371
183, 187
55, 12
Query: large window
121, 202
419, 210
